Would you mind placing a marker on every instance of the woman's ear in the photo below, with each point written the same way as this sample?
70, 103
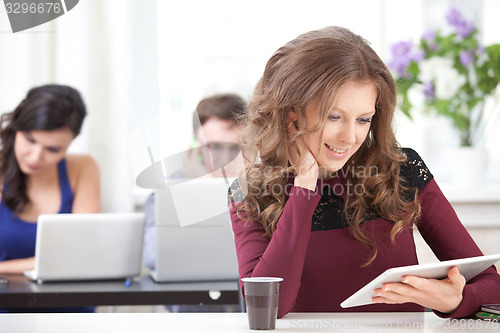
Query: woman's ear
291, 115
291, 118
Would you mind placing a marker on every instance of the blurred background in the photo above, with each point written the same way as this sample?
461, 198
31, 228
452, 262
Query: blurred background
143, 65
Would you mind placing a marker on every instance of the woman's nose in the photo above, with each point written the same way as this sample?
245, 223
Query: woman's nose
36, 154
347, 133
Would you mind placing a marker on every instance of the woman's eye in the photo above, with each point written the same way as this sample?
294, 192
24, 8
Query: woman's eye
54, 150
333, 117
29, 138
364, 120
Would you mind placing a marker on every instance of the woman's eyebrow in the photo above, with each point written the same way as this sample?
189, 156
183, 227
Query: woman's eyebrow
363, 114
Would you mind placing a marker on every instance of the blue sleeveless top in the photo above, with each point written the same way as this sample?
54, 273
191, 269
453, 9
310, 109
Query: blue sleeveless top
18, 237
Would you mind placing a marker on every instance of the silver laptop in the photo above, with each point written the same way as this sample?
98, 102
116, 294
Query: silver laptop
88, 246
194, 238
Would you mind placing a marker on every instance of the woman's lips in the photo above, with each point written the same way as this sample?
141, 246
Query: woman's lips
337, 152
31, 166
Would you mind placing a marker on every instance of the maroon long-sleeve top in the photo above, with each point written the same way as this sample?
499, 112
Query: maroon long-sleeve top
321, 262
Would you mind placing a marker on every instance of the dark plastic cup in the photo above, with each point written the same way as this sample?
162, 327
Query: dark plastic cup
261, 298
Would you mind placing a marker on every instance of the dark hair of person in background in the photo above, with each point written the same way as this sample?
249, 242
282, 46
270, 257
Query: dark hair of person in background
44, 108
223, 106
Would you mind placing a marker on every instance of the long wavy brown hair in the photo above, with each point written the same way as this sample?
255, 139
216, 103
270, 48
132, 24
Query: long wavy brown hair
312, 68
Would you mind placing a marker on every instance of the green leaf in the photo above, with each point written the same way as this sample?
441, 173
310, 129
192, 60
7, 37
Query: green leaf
413, 69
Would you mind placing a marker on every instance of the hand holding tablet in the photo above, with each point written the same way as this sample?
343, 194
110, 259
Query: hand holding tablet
468, 267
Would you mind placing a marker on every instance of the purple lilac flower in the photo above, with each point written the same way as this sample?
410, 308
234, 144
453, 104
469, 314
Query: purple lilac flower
466, 57
454, 17
429, 35
466, 29
419, 56
463, 27
429, 91
480, 49
401, 56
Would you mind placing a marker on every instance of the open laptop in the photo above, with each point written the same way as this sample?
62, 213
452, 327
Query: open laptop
194, 238
88, 246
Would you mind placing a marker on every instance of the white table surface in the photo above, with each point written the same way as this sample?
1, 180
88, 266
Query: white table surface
237, 322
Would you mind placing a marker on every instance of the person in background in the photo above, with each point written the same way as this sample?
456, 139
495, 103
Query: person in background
213, 150
214, 143
329, 200
38, 176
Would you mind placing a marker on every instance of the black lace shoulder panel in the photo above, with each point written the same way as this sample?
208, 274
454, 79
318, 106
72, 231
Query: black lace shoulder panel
414, 171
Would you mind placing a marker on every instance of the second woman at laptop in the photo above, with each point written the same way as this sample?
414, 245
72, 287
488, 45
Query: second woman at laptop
37, 175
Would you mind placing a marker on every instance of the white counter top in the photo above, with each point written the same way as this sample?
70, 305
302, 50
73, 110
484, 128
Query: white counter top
236, 322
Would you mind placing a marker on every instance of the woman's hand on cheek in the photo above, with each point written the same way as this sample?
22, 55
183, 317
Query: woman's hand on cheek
441, 295
302, 160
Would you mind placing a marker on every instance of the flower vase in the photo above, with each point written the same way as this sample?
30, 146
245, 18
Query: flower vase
468, 166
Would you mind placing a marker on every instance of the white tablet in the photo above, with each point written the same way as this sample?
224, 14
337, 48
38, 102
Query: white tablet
468, 267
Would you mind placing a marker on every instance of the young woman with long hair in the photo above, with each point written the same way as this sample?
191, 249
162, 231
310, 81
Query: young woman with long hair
328, 200
37, 175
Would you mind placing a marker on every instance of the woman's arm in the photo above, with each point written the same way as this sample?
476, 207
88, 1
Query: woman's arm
84, 176
449, 239
451, 297
283, 255
17, 266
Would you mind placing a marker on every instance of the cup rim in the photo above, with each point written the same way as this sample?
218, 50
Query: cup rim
262, 279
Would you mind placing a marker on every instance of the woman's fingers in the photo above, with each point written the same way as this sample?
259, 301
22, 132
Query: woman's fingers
301, 158
456, 278
441, 295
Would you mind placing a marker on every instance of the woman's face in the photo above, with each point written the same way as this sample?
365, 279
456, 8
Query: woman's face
38, 151
347, 125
